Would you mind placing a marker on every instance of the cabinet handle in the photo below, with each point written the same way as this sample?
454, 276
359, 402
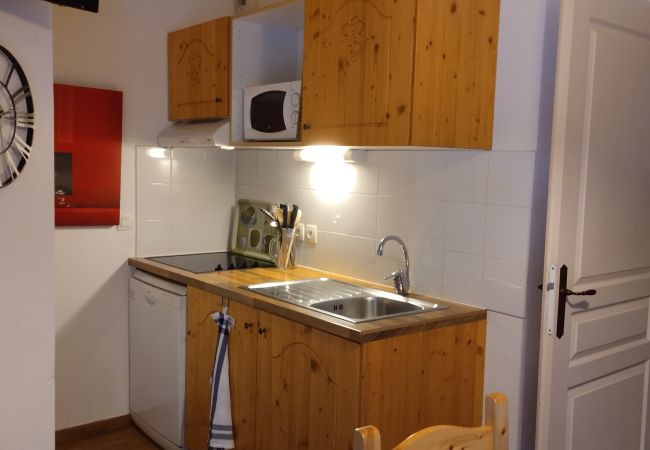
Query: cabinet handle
247, 325
306, 126
261, 331
218, 99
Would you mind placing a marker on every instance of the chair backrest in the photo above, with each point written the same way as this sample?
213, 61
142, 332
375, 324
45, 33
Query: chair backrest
494, 435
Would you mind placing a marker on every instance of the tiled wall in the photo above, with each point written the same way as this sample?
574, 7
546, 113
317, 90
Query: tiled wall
465, 216
184, 198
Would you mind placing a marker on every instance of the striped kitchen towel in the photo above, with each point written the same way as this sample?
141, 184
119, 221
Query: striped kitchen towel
221, 432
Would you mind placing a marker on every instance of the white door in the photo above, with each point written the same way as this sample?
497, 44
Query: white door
594, 389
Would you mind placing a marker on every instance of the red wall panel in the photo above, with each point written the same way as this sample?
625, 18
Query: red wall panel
88, 127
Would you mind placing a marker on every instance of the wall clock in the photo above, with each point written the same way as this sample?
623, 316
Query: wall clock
16, 118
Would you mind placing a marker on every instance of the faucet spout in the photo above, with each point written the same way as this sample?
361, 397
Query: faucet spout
401, 278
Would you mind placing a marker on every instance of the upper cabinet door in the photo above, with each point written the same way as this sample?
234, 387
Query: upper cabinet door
357, 72
199, 71
455, 71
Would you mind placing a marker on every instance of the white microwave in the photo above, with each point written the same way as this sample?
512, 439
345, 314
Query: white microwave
272, 112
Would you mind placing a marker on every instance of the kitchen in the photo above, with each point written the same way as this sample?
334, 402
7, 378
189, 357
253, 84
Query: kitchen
489, 209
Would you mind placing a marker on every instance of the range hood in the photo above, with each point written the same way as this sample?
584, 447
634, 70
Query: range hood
86, 5
197, 134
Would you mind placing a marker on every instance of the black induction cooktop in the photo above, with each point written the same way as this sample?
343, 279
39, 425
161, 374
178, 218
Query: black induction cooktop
211, 262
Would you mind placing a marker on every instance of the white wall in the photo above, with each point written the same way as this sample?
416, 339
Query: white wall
473, 221
124, 47
27, 242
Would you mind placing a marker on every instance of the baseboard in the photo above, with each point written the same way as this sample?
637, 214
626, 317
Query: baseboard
89, 430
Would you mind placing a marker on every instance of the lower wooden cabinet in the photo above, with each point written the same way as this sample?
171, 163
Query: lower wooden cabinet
296, 387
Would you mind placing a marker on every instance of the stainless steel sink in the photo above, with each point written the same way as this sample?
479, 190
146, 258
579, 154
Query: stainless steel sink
344, 301
358, 309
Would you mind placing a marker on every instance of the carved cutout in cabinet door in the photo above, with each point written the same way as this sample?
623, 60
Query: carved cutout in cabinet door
199, 71
308, 388
357, 72
455, 73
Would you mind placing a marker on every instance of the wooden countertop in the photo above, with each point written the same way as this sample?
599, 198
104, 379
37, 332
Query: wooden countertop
227, 284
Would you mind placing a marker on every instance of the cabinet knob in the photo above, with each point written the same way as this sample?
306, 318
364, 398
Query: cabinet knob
218, 99
306, 126
247, 325
261, 331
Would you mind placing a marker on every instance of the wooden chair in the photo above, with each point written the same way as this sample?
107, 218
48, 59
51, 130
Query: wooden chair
492, 436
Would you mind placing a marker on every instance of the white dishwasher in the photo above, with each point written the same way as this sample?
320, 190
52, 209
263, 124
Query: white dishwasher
157, 358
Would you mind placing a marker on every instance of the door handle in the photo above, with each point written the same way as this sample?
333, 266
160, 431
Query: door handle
562, 299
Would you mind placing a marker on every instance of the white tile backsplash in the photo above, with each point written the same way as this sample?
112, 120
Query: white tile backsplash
154, 237
155, 201
510, 178
463, 215
356, 256
188, 165
464, 227
462, 277
267, 167
426, 223
426, 269
154, 165
246, 162
188, 200
187, 208
504, 286
288, 170
429, 175
467, 174
393, 216
248, 191
356, 216
507, 232
394, 169
188, 235
366, 179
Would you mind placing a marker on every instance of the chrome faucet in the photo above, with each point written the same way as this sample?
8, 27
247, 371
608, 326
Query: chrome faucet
400, 277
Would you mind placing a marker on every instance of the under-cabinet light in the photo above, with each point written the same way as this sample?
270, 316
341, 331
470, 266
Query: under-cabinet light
158, 152
329, 154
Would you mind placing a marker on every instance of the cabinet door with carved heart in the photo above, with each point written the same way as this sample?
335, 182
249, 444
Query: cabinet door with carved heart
199, 71
307, 387
357, 72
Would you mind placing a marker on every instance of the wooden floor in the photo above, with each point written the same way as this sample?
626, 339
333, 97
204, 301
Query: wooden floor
127, 438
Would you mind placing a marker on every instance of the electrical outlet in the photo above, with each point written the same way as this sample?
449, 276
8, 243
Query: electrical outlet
299, 232
311, 233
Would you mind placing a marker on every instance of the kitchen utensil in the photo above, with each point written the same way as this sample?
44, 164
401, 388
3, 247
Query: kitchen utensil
284, 259
285, 216
267, 213
292, 219
298, 218
277, 212
273, 221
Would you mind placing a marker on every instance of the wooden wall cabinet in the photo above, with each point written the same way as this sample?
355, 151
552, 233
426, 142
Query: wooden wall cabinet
296, 387
376, 73
455, 73
357, 72
198, 61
